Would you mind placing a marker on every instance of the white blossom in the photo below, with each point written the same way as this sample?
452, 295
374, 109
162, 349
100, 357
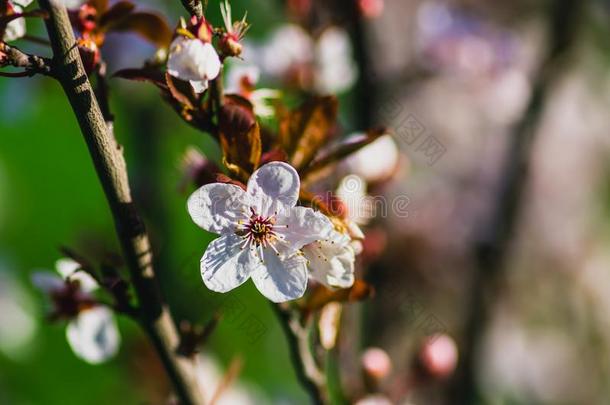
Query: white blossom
18, 324
92, 334
15, 29
331, 260
335, 68
242, 79
262, 231
289, 45
366, 163
193, 60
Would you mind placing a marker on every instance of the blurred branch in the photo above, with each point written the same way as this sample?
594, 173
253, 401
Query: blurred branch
195, 7
112, 172
33, 64
308, 373
490, 250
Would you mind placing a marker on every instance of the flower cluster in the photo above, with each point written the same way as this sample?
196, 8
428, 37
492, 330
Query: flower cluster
266, 237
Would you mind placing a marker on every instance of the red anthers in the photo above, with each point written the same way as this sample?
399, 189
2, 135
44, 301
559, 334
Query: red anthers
234, 32
259, 229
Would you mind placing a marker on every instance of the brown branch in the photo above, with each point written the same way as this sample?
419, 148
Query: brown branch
195, 7
310, 376
33, 64
110, 166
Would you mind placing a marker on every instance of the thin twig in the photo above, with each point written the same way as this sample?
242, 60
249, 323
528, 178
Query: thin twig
310, 376
112, 172
195, 7
33, 64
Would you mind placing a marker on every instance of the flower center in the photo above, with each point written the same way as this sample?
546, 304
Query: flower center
258, 229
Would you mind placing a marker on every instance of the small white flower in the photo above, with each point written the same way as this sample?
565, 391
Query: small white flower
331, 260
289, 45
336, 69
241, 76
261, 101
262, 231
16, 28
366, 163
193, 60
18, 324
242, 79
92, 334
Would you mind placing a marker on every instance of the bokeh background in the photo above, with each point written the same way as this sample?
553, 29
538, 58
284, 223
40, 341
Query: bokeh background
505, 248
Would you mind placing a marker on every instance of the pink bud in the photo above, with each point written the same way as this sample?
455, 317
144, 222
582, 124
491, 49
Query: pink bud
376, 363
371, 8
439, 356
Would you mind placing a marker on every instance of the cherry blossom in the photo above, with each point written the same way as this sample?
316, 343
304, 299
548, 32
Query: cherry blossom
92, 332
193, 60
332, 260
262, 231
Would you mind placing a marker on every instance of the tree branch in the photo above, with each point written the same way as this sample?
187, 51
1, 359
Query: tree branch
195, 7
310, 376
33, 64
111, 169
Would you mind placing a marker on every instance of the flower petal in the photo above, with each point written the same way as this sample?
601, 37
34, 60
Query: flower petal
217, 207
302, 225
281, 279
93, 335
15, 29
274, 187
225, 265
192, 59
331, 264
69, 269
46, 281
199, 86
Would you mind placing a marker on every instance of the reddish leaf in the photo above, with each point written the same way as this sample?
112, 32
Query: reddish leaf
222, 178
275, 155
181, 91
150, 75
150, 26
100, 5
240, 137
321, 296
337, 154
116, 13
303, 131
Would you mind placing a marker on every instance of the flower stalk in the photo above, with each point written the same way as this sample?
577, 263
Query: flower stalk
308, 373
110, 166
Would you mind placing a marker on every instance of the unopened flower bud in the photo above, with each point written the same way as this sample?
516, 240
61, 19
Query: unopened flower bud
86, 18
371, 8
438, 356
230, 46
376, 363
89, 53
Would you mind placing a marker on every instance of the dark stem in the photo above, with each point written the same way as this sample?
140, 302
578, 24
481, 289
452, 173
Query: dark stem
308, 373
111, 169
490, 250
195, 7
32, 64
